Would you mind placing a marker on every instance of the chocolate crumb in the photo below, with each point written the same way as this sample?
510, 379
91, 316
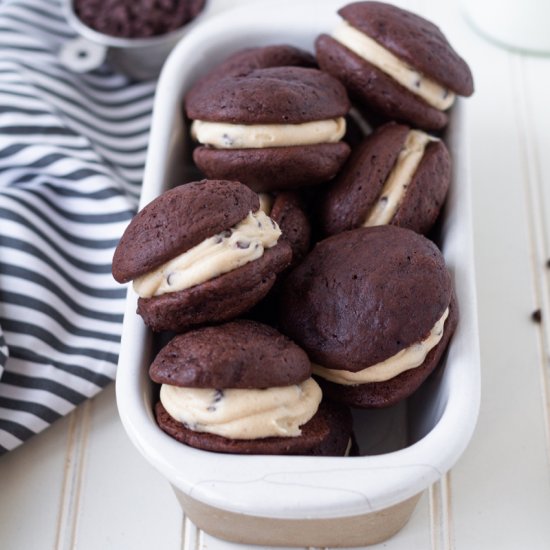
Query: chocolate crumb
536, 316
548, 263
243, 244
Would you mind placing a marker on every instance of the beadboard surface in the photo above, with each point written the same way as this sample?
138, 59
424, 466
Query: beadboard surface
82, 485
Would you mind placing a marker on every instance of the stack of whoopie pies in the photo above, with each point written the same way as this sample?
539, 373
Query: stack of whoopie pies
298, 279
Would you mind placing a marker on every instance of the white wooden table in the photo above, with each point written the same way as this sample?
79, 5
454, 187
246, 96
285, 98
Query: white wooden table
81, 484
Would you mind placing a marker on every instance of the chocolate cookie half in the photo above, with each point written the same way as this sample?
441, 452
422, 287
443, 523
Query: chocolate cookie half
249, 59
373, 309
397, 176
243, 387
396, 63
201, 252
272, 129
288, 211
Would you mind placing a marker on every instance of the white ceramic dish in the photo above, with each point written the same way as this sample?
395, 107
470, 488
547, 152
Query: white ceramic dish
304, 501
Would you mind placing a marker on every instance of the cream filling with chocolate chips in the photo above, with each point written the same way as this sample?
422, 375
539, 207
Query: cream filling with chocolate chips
224, 252
368, 49
406, 359
399, 178
244, 413
222, 135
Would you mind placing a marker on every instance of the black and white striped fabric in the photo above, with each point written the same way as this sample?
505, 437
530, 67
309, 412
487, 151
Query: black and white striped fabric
72, 150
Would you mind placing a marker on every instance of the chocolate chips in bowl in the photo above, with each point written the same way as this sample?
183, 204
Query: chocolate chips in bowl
133, 36
136, 18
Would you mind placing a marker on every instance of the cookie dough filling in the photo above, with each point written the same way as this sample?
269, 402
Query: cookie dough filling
222, 135
244, 413
224, 252
365, 47
406, 359
399, 178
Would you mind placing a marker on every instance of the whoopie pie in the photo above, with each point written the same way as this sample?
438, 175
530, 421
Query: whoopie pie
201, 252
395, 63
397, 175
271, 128
242, 387
374, 309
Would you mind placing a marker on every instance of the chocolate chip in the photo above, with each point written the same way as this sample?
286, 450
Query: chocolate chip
170, 279
227, 140
218, 396
243, 244
548, 263
218, 239
227, 233
417, 83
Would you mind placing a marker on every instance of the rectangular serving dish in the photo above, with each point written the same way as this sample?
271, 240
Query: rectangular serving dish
304, 501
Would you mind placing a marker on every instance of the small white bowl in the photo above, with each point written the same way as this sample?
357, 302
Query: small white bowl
304, 501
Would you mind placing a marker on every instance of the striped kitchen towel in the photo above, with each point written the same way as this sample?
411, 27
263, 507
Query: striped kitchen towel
72, 150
